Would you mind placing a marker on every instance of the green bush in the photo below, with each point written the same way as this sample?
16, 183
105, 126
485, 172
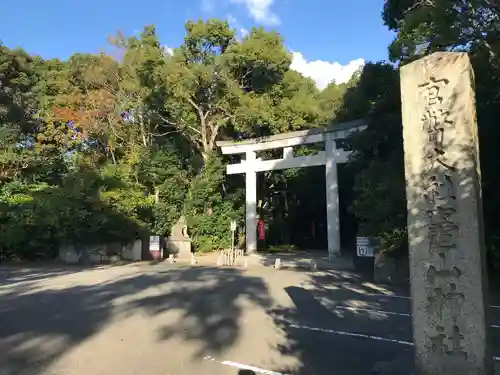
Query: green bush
210, 211
36, 218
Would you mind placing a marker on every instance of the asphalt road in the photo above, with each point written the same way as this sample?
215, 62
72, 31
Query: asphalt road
173, 320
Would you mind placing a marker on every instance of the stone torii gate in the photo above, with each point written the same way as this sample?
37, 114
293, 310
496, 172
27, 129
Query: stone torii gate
330, 157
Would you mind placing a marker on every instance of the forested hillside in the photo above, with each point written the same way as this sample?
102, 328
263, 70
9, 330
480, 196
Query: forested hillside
100, 148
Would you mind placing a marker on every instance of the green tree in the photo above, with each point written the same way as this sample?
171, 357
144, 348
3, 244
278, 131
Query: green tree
421, 28
102, 149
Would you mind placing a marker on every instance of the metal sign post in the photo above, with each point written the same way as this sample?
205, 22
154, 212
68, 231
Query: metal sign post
233, 230
364, 247
155, 248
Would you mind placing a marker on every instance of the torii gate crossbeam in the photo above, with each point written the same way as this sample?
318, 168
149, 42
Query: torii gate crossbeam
330, 157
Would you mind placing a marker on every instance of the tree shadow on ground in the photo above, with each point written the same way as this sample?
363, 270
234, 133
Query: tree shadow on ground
35, 272
14, 275
332, 327
62, 317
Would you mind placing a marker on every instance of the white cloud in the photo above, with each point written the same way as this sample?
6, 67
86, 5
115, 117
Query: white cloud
168, 50
244, 32
232, 20
260, 11
234, 23
324, 72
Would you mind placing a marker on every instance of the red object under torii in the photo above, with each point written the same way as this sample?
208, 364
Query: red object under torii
261, 229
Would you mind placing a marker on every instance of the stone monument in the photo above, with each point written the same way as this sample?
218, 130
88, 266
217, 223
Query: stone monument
445, 228
179, 242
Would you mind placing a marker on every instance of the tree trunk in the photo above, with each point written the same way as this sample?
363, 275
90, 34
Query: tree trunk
206, 156
141, 124
110, 148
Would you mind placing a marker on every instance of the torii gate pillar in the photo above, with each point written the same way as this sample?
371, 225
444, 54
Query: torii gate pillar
332, 199
251, 205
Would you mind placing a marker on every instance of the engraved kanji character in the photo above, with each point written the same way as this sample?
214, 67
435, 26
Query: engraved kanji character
440, 190
449, 345
443, 231
433, 123
450, 300
433, 273
455, 343
432, 89
437, 341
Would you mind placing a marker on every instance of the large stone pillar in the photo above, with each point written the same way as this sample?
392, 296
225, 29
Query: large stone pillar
332, 199
445, 228
251, 204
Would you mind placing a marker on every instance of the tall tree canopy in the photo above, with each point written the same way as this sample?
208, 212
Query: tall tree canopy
422, 27
130, 143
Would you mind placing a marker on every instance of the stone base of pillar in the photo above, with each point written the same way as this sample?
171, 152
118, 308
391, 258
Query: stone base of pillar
333, 256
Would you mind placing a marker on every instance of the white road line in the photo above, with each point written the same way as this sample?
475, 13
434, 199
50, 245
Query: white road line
382, 312
358, 335
388, 295
243, 367
351, 334
408, 297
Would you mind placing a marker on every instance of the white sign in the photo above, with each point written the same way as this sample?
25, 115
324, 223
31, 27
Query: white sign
233, 225
364, 248
154, 243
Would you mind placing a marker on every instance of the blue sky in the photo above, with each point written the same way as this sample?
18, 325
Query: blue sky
329, 37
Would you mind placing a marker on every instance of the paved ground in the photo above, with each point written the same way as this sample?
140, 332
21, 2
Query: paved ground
176, 320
